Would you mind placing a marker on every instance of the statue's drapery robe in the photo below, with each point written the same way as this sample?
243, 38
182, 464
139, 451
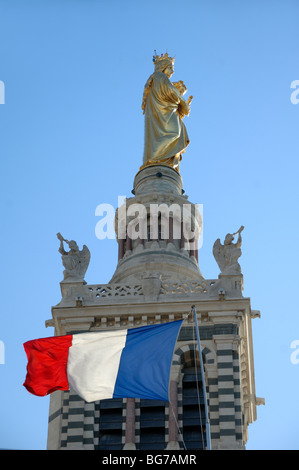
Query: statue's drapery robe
165, 133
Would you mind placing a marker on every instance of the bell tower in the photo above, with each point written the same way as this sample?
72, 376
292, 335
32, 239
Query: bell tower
158, 279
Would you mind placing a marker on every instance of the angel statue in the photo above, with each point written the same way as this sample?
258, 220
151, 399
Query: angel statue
227, 255
75, 261
165, 136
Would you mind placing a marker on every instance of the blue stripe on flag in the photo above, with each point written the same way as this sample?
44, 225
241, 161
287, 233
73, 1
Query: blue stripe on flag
145, 363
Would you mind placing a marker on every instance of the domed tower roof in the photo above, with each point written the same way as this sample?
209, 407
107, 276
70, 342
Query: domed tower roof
158, 229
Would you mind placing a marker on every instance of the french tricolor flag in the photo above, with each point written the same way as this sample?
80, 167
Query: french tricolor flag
129, 363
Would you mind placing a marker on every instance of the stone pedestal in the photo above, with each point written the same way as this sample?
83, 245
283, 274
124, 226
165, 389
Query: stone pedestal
158, 178
168, 228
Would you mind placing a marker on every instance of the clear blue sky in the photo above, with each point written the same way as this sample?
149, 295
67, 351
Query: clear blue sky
71, 137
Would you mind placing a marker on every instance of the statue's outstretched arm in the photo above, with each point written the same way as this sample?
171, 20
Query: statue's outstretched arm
239, 241
61, 247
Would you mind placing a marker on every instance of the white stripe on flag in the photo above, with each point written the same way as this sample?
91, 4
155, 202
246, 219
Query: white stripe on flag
93, 363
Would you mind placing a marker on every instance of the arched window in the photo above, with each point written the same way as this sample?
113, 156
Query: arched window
152, 425
193, 409
191, 406
110, 424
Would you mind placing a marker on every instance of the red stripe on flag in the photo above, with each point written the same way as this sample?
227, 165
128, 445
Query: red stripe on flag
47, 364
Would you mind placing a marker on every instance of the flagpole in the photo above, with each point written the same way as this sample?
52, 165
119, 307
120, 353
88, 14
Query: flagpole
208, 435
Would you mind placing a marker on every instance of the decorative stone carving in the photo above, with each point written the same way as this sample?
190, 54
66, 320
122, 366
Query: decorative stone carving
151, 285
227, 255
74, 261
260, 401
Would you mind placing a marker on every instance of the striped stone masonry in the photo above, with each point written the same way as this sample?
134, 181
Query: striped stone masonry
78, 424
229, 398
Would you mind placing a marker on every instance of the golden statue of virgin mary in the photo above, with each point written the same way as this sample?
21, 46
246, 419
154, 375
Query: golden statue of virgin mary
165, 136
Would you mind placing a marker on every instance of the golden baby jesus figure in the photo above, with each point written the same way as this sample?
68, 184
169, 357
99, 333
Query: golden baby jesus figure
165, 136
180, 85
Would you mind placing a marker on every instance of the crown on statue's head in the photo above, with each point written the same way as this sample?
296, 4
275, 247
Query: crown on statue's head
163, 59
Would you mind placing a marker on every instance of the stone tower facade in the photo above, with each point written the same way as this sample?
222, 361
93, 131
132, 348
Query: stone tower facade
157, 280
